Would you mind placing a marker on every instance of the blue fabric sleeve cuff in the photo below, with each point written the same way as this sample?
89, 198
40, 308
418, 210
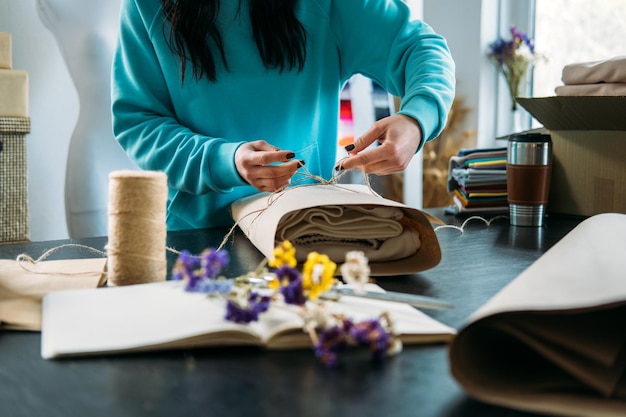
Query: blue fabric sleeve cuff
427, 114
223, 170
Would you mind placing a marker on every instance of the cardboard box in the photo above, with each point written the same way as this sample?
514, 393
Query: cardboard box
6, 52
13, 93
589, 152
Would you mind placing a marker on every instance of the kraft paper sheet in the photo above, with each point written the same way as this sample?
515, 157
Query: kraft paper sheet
21, 290
554, 339
335, 219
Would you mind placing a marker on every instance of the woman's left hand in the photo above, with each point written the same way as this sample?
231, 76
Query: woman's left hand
399, 137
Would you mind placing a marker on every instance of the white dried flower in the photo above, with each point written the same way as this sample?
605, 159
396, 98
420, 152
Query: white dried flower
356, 271
317, 316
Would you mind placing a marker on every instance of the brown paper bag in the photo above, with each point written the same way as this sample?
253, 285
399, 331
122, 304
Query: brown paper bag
335, 219
553, 340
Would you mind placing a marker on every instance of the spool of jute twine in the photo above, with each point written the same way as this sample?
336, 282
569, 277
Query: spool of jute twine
136, 248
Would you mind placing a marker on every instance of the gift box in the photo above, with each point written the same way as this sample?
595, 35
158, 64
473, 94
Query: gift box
14, 223
13, 93
589, 152
6, 54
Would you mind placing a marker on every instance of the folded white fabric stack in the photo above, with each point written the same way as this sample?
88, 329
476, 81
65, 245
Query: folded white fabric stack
597, 78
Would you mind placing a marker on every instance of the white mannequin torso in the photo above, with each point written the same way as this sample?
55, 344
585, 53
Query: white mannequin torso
86, 34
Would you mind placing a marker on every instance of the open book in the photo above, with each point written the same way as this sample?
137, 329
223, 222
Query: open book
163, 316
554, 339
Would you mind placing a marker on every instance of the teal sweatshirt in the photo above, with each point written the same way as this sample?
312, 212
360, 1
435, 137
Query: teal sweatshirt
191, 130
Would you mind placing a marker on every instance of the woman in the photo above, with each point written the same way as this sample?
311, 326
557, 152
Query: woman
232, 97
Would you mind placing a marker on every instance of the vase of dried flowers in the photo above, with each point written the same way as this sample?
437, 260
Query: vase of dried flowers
513, 59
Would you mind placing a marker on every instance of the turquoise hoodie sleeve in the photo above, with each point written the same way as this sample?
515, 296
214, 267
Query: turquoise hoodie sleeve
144, 120
377, 39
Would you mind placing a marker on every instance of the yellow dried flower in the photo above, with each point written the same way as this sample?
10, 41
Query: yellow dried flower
317, 274
284, 254
274, 283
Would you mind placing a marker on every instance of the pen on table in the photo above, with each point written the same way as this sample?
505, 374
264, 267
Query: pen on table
420, 301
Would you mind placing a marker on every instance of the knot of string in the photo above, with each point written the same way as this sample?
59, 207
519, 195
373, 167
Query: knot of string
304, 180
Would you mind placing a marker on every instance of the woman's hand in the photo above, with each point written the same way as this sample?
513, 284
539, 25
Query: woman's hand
399, 137
264, 166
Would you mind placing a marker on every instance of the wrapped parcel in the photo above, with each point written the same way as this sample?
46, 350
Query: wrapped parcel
335, 219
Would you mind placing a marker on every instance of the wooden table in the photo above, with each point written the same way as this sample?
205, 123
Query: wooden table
251, 382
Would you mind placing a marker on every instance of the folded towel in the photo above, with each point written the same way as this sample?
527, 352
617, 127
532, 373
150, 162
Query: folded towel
601, 89
611, 70
335, 219
376, 231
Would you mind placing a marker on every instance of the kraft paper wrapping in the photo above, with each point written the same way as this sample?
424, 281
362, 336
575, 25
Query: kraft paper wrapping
22, 288
6, 53
335, 219
553, 340
13, 93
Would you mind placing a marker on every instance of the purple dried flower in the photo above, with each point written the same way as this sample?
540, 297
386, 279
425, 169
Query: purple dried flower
513, 58
371, 333
257, 304
214, 286
213, 261
290, 285
331, 341
197, 270
293, 293
187, 268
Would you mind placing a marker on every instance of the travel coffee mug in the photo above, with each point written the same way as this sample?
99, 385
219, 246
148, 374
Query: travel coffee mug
528, 170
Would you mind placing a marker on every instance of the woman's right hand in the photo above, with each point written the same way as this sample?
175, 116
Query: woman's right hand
264, 166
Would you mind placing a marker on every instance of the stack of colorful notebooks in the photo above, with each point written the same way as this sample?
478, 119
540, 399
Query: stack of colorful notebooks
477, 179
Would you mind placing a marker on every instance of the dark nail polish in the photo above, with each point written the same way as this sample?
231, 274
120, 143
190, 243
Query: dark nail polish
301, 163
339, 168
349, 147
290, 155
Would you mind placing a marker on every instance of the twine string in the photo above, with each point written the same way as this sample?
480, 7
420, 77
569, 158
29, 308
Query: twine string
143, 202
469, 219
26, 262
137, 231
275, 195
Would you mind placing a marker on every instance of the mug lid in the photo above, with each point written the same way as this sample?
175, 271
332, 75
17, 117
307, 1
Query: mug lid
530, 137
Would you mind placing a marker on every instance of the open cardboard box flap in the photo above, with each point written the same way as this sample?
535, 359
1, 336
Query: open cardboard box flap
578, 112
589, 149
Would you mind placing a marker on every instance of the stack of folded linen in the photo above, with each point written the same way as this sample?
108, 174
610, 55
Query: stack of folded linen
477, 179
597, 78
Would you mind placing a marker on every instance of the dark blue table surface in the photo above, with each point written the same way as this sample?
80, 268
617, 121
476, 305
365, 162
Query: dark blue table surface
251, 382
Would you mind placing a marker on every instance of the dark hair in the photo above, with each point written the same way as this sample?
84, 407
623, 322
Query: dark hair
194, 36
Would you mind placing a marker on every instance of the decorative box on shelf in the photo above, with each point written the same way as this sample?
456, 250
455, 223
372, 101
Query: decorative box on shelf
14, 223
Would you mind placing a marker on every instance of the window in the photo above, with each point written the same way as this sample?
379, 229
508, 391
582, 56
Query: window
571, 31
